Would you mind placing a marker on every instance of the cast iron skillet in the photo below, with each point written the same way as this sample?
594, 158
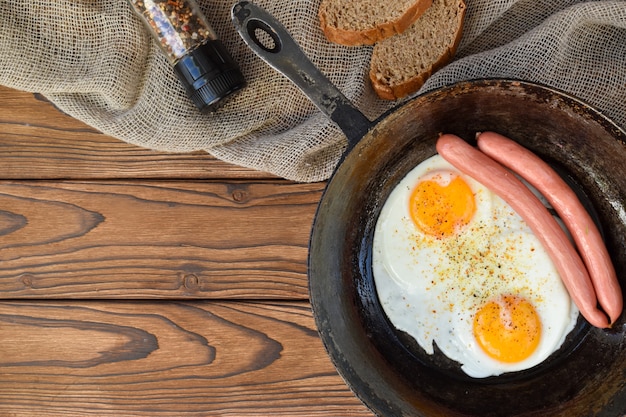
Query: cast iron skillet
384, 367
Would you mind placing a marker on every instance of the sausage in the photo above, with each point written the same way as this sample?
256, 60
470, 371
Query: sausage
502, 182
569, 208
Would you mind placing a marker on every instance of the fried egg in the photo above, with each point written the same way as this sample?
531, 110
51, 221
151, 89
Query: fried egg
455, 266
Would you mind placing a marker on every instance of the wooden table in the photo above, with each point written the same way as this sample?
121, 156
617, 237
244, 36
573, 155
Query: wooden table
141, 283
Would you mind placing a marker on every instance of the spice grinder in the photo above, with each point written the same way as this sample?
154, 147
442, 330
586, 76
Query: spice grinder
199, 58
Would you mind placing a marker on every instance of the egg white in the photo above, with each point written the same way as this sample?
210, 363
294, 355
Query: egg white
431, 288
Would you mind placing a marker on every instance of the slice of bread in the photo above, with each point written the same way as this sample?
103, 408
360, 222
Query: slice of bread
365, 22
401, 64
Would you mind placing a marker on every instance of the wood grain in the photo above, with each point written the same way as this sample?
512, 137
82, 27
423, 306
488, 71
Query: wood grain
166, 359
37, 141
160, 239
141, 283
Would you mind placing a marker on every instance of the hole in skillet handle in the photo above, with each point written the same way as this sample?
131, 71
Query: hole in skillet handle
264, 36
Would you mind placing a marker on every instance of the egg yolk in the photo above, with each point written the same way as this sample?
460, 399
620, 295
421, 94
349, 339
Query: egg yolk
508, 329
440, 210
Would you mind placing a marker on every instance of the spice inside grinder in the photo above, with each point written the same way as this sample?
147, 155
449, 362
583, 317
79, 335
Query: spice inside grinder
200, 59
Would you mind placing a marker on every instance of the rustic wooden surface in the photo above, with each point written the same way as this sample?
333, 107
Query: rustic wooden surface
141, 283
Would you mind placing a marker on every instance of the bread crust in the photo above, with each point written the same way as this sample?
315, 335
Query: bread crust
375, 34
398, 91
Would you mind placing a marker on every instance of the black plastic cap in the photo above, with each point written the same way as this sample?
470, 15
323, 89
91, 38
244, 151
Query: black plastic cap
209, 74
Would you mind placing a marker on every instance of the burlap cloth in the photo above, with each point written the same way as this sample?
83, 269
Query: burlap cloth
96, 62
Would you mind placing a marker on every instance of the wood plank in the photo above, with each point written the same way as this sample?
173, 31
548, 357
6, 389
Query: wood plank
155, 239
37, 141
166, 358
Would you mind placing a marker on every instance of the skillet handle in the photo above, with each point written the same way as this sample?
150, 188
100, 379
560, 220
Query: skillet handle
284, 55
